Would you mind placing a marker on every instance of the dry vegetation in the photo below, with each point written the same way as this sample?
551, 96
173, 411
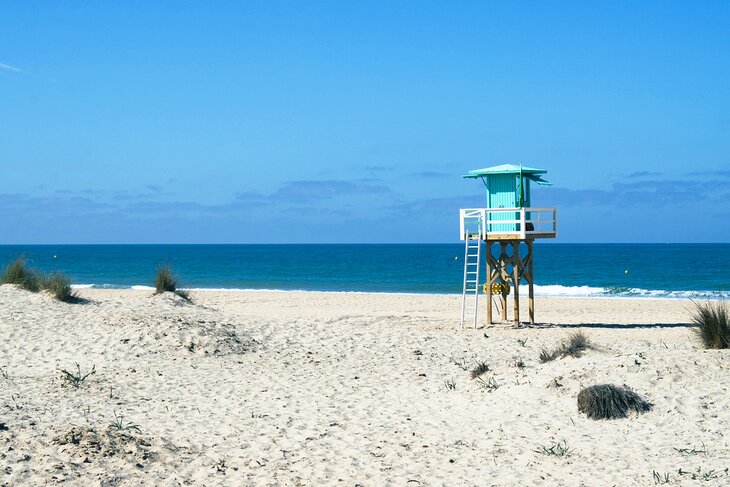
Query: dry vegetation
711, 319
575, 345
57, 284
607, 401
165, 281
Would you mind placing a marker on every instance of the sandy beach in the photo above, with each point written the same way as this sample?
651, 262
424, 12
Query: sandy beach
310, 388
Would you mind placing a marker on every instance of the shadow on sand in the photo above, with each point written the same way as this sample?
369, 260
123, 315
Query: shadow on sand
619, 326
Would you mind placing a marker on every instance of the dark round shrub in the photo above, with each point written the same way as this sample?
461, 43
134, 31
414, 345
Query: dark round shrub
607, 401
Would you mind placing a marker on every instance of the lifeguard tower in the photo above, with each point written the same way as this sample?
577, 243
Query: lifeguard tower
508, 227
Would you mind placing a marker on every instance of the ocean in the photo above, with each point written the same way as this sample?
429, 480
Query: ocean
606, 270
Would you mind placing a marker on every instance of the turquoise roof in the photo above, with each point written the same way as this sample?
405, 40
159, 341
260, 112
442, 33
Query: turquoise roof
531, 173
504, 169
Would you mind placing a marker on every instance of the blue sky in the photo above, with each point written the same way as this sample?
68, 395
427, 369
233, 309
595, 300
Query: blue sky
217, 122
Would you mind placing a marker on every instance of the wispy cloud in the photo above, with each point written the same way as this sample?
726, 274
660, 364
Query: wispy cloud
672, 193
430, 174
379, 168
644, 174
429, 207
323, 189
717, 173
8, 67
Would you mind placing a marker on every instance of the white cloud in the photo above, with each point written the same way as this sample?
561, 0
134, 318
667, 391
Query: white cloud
10, 68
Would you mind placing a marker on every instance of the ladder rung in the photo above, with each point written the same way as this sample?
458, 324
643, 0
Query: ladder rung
473, 257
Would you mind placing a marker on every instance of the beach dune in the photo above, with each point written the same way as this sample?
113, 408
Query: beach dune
312, 388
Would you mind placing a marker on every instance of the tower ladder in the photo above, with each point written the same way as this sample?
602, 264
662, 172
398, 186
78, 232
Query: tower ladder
470, 295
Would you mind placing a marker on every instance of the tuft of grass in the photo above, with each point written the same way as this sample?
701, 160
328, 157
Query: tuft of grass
184, 294
450, 384
479, 369
165, 281
700, 474
77, 378
60, 287
489, 385
57, 284
119, 425
555, 450
461, 363
576, 344
18, 273
660, 478
607, 401
713, 326
546, 356
691, 451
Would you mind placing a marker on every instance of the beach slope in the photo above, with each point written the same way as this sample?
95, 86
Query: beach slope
309, 388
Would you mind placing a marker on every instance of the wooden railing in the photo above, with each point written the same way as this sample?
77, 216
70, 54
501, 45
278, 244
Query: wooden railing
518, 223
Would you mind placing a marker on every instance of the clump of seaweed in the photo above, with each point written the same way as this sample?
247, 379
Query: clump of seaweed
713, 326
608, 401
574, 346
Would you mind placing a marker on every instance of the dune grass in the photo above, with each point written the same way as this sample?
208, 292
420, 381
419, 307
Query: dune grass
607, 401
165, 281
713, 327
479, 369
576, 344
76, 379
555, 450
60, 287
57, 284
19, 274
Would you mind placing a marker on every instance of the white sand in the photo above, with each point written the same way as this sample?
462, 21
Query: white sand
294, 388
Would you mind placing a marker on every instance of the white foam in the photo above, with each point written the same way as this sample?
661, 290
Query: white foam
607, 292
549, 290
558, 290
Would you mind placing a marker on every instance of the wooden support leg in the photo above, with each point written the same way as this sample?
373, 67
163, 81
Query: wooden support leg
516, 278
489, 280
503, 277
530, 281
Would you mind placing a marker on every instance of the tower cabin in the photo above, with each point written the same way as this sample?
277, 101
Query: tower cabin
508, 226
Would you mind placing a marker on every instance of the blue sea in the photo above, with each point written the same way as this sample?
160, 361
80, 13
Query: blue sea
619, 270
